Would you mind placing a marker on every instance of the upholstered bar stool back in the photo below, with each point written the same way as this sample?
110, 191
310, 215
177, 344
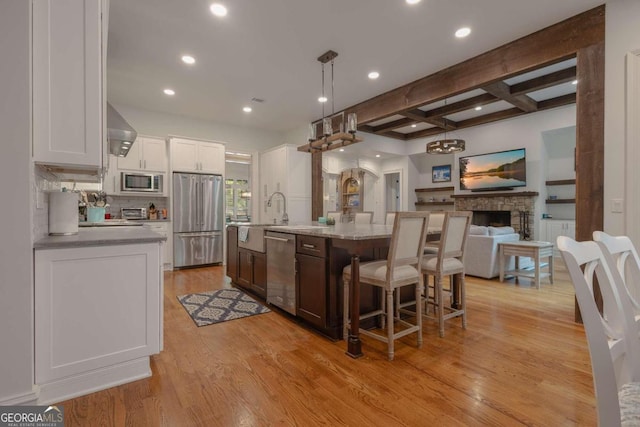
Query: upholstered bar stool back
364, 217
335, 215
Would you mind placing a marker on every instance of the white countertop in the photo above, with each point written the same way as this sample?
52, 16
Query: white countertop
100, 236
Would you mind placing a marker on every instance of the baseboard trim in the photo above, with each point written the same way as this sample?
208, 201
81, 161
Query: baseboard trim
30, 397
92, 381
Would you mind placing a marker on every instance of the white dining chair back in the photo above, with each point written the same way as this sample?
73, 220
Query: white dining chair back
614, 354
337, 215
623, 258
364, 217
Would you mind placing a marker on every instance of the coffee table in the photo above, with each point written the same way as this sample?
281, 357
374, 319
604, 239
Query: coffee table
535, 250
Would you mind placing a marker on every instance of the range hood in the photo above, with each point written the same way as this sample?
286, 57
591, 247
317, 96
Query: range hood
120, 135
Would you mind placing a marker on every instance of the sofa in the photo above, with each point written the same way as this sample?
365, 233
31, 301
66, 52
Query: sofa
481, 257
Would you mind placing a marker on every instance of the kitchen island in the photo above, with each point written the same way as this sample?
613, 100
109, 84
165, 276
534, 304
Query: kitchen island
98, 302
321, 253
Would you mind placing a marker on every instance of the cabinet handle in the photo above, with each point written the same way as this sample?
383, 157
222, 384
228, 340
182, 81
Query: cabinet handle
308, 246
145, 164
140, 164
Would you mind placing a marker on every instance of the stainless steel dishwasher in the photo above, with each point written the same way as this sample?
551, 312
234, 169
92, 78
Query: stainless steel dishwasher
281, 270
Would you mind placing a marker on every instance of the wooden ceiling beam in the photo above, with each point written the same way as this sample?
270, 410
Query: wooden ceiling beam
465, 104
503, 91
543, 82
550, 45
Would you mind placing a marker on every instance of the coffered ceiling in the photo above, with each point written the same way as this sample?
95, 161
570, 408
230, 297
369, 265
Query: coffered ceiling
541, 89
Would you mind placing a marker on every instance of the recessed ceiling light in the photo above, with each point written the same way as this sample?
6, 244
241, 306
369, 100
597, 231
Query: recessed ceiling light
463, 32
169, 92
478, 108
413, 1
374, 75
188, 59
342, 149
246, 109
575, 82
378, 155
414, 125
322, 99
218, 9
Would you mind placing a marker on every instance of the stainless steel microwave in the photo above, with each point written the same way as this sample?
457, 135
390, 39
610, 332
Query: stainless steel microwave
141, 182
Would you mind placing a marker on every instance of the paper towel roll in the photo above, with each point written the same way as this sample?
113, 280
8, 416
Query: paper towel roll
63, 213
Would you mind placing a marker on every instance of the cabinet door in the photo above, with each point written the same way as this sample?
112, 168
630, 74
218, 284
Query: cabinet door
244, 268
184, 155
211, 157
311, 289
154, 155
111, 180
85, 298
259, 277
67, 82
232, 253
133, 159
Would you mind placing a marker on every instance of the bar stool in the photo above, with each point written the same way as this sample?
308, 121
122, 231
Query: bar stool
364, 217
401, 268
448, 262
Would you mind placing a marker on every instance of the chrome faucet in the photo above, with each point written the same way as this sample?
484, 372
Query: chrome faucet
285, 217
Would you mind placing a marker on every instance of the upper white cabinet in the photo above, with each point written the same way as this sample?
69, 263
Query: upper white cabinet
148, 154
190, 155
287, 170
68, 67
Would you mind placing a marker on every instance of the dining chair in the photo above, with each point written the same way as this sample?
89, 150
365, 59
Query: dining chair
611, 336
390, 217
621, 254
401, 268
448, 261
337, 215
364, 217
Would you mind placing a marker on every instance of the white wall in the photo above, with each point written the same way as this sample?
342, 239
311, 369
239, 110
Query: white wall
16, 281
622, 36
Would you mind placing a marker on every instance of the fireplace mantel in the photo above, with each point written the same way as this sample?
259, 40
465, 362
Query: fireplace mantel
500, 194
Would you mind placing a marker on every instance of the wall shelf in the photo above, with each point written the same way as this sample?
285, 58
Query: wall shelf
562, 182
559, 201
433, 189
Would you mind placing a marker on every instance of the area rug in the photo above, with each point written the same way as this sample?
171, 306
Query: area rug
211, 307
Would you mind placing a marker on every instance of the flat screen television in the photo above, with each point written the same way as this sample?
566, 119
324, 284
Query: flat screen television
502, 170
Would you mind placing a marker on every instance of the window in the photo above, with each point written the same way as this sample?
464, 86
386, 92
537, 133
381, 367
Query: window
238, 197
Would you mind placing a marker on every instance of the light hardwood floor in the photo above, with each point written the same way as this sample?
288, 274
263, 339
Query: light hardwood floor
521, 361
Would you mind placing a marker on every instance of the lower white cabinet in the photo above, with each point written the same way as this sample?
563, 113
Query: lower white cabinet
165, 229
98, 317
558, 227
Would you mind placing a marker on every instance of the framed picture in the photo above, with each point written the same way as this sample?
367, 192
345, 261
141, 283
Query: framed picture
441, 173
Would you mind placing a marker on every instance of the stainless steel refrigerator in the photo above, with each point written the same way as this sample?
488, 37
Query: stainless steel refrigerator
198, 219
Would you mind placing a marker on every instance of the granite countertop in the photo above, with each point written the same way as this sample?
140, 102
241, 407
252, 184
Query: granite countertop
350, 231
100, 236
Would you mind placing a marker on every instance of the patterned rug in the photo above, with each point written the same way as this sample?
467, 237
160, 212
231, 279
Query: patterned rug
218, 306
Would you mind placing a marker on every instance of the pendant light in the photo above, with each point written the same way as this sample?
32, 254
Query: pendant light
445, 145
321, 133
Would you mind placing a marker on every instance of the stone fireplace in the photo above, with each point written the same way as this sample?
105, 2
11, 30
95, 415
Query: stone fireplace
517, 210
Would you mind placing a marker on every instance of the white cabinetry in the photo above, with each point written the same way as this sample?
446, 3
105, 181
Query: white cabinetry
287, 170
68, 103
165, 229
98, 316
147, 154
558, 227
189, 155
